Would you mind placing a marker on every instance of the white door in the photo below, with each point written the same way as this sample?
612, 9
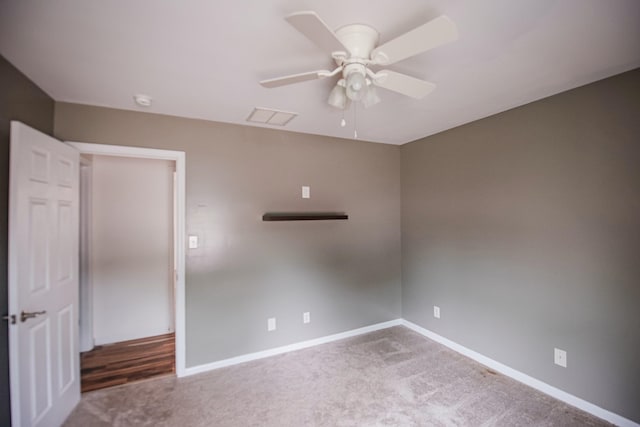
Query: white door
43, 278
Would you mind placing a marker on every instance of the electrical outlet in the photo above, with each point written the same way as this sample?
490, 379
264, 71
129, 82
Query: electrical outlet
306, 317
306, 192
193, 242
560, 357
271, 324
436, 311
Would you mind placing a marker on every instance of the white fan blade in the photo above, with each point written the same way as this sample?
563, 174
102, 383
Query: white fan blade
401, 83
427, 36
310, 24
295, 78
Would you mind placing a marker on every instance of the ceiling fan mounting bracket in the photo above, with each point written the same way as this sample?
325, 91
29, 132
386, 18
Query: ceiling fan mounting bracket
380, 58
379, 77
339, 56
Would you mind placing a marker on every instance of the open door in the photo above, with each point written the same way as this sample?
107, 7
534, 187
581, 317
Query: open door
43, 278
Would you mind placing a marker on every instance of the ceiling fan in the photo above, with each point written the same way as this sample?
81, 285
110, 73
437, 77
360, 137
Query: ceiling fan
354, 48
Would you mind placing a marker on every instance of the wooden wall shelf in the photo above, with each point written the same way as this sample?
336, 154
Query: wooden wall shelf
303, 216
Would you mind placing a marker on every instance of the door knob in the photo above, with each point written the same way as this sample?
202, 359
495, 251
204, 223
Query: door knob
25, 315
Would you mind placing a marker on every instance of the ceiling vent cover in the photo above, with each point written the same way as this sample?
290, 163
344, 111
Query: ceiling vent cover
270, 117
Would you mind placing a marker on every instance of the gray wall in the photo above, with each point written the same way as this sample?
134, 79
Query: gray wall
21, 100
346, 273
524, 228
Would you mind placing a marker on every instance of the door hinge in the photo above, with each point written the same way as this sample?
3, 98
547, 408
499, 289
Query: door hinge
10, 318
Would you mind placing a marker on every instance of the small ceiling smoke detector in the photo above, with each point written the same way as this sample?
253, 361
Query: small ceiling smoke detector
142, 100
270, 117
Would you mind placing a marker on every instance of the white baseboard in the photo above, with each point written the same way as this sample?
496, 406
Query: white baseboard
524, 378
287, 348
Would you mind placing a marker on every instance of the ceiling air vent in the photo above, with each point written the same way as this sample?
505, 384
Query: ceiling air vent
270, 117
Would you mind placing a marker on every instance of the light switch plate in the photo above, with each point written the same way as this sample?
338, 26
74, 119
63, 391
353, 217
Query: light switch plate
193, 242
306, 317
436, 311
306, 192
271, 324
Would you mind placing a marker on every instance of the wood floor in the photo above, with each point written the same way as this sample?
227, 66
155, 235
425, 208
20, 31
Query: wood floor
127, 361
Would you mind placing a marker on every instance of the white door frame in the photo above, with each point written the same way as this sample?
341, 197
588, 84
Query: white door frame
180, 158
85, 294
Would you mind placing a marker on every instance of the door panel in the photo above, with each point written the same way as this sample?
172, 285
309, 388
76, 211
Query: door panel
66, 373
38, 249
65, 172
39, 165
39, 370
43, 278
65, 244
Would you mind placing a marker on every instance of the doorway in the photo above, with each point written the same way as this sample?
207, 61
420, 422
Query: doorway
147, 324
127, 268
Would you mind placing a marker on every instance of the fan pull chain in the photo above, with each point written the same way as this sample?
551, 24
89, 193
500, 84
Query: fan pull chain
355, 120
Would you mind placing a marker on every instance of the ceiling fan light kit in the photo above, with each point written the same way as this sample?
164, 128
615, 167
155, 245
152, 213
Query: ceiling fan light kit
338, 97
354, 48
370, 98
356, 85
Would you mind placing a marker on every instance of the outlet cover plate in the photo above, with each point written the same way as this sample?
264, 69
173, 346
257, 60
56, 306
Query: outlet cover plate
306, 317
271, 324
560, 357
436, 311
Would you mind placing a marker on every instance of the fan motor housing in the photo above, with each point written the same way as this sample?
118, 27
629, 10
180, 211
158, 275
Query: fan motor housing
360, 39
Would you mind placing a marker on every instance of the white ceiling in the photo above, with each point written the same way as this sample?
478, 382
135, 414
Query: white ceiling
203, 59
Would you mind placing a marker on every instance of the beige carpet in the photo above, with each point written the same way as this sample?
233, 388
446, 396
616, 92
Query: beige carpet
392, 377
